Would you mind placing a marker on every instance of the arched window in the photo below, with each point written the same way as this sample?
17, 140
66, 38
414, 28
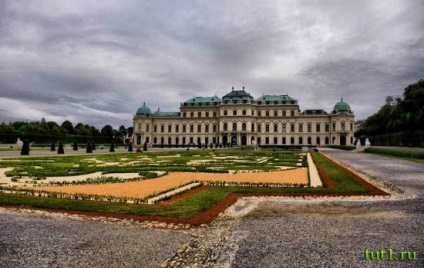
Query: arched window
327, 140
309, 140
300, 140
318, 141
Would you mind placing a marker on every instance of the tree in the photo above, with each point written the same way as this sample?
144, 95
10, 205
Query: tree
75, 146
68, 127
130, 148
107, 131
25, 147
53, 147
112, 148
60, 149
88, 149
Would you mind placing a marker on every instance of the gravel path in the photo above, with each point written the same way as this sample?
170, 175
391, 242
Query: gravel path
28, 241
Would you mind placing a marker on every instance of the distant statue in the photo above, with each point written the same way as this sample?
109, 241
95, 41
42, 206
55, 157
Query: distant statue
367, 143
19, 143
358, 143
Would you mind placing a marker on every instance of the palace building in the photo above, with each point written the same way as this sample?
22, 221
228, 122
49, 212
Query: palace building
239, 119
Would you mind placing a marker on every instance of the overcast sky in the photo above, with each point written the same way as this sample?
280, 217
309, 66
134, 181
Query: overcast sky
96, 62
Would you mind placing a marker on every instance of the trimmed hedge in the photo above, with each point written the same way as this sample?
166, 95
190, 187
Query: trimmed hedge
343, 147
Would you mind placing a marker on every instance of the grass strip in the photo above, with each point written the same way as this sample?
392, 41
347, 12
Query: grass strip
419, 156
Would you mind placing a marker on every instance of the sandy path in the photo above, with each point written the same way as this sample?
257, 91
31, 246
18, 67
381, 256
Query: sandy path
142, 189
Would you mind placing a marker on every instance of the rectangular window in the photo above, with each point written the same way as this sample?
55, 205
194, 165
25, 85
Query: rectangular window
214, 128
267, 140
351, 126
292, 127
334, 126
275, 140
207, 114
292, 140
284, 128
253, 112
184, 114
343, 126
184, 128
267, 113
214, 114
191, 128
284, 140
259, 127
309, 127
207, 128
284, 113
199, 114
300, 127
318, 127
234, 112
162, 128
155, 128
191, 140
199, 128
259, 113
177, 128
225, 112
267, 128
147, 128
327, 127
169, 128
292, 113
275, 113
275, 127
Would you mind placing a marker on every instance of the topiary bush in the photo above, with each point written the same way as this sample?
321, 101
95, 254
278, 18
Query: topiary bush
25, 147
88, 149
130, 148
60, 149
145, 147
112, 148
75, 146
53, 147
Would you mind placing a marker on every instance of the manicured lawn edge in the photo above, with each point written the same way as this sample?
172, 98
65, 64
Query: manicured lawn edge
374, 190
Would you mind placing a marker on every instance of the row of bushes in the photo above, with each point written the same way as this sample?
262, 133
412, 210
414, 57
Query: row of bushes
343, 147
399, 153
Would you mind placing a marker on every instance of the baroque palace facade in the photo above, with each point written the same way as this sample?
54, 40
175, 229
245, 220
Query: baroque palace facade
239, 119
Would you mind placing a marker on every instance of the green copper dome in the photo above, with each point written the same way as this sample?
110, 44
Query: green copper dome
342, 107
144, 110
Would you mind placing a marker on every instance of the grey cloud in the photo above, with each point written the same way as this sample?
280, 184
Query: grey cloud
97, 62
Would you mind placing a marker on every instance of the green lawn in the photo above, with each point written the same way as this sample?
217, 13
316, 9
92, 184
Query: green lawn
414, 156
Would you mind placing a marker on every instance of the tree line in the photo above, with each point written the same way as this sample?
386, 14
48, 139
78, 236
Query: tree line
400, 121
47, 131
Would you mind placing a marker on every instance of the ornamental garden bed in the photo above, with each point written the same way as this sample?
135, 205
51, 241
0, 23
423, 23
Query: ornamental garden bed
201, 205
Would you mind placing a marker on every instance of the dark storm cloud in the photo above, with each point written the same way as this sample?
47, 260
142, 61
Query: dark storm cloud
96, 62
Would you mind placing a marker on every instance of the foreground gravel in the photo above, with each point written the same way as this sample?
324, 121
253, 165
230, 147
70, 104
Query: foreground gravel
28, 241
